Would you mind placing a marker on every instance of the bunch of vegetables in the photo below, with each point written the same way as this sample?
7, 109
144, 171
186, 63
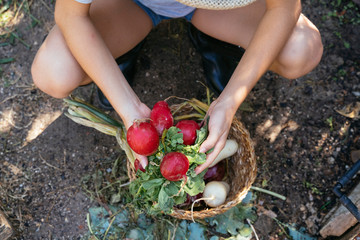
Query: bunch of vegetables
169, 180
173, 154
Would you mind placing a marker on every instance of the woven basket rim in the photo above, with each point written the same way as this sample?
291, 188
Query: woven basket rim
246, 160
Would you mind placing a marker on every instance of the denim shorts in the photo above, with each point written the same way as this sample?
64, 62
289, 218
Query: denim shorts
156, 18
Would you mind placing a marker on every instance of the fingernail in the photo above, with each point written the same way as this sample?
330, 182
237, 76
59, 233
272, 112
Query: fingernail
202, 150
144, 164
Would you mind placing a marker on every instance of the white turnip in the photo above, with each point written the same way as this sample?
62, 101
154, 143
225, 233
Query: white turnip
215, 193
230, 148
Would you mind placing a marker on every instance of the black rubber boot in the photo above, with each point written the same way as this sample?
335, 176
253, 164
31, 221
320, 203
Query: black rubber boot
219, 58
126, 64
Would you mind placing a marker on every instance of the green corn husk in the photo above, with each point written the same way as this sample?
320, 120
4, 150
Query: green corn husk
203, 106
197, 108
180, 106
89, 116
104, 128
73, 113
125, 146
84, 113
188, 116
80, 103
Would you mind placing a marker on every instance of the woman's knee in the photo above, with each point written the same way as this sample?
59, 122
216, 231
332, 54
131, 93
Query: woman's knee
52, 78
54, 69
301, 54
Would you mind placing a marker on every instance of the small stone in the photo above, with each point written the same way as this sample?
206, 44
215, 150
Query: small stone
308, 90
311, 197
264, 225
331, 160
357, 94
355, 155
302, 208
336, 60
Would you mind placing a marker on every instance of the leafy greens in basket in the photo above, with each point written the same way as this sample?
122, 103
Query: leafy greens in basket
155, 194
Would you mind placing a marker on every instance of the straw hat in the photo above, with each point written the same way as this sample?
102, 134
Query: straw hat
216, 4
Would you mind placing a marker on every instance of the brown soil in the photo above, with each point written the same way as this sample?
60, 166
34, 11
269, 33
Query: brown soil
303, 145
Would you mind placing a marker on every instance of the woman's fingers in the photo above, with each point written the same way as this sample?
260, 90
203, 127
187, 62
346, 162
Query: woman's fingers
142, 112
212, 142
219, 126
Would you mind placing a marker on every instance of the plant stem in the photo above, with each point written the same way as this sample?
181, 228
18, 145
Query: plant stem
268, 192
188, 116
107, 230
89, 226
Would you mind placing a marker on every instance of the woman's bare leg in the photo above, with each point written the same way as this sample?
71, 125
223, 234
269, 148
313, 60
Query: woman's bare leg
122, 24
300, 55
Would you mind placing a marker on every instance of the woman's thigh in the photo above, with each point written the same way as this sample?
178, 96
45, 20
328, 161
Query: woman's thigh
236, 26
301, 53
122, 24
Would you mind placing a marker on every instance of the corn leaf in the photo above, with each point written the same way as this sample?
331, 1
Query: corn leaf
121, 139
104, 128
80, 103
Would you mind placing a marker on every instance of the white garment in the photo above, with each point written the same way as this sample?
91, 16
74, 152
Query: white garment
84, 1
167, 8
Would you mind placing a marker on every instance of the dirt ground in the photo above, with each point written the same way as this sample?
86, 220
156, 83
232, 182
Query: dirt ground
303, 145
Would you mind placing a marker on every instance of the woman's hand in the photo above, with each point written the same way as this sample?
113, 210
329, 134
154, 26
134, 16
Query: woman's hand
221, 116
142, 112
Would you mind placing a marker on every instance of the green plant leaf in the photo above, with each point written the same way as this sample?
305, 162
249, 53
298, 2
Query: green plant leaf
232, 221
195, 183
197, 231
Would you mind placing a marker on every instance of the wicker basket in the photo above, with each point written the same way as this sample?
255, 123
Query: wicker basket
241, 171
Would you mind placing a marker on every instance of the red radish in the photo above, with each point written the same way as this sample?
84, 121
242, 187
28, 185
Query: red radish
138, 166
215, 173
188, 129
174, 166
161, 104
189, 200
161, 117
143, 138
